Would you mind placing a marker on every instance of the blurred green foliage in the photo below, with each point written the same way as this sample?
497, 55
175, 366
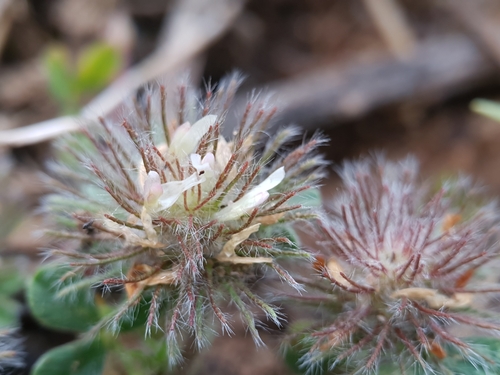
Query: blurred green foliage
308, 198
72, 80
11, 282
486, 108
49, 292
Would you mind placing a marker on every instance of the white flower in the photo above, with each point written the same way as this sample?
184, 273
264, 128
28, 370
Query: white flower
253, 198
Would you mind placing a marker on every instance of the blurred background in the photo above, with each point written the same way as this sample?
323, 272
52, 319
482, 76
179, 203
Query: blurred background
390, 75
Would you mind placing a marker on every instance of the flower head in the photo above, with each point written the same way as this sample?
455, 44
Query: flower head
181, 217
401, 263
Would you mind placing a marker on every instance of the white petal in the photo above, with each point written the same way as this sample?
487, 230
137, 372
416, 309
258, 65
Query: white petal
241, 207
152, 188
223, 153
186, 143
209, 159
195, 160
258, 198
173, 190
272, 181
179, 133
252, 199
202, 165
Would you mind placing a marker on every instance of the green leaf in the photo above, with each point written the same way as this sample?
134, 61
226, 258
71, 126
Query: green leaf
97, 65
307, 198
74, 312
76, 358
61, 79
486, 108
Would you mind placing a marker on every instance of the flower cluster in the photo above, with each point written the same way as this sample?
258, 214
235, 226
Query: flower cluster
163, 205
401, 261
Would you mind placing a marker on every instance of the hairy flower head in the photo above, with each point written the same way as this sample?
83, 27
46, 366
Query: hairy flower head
163, 204
401, 262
